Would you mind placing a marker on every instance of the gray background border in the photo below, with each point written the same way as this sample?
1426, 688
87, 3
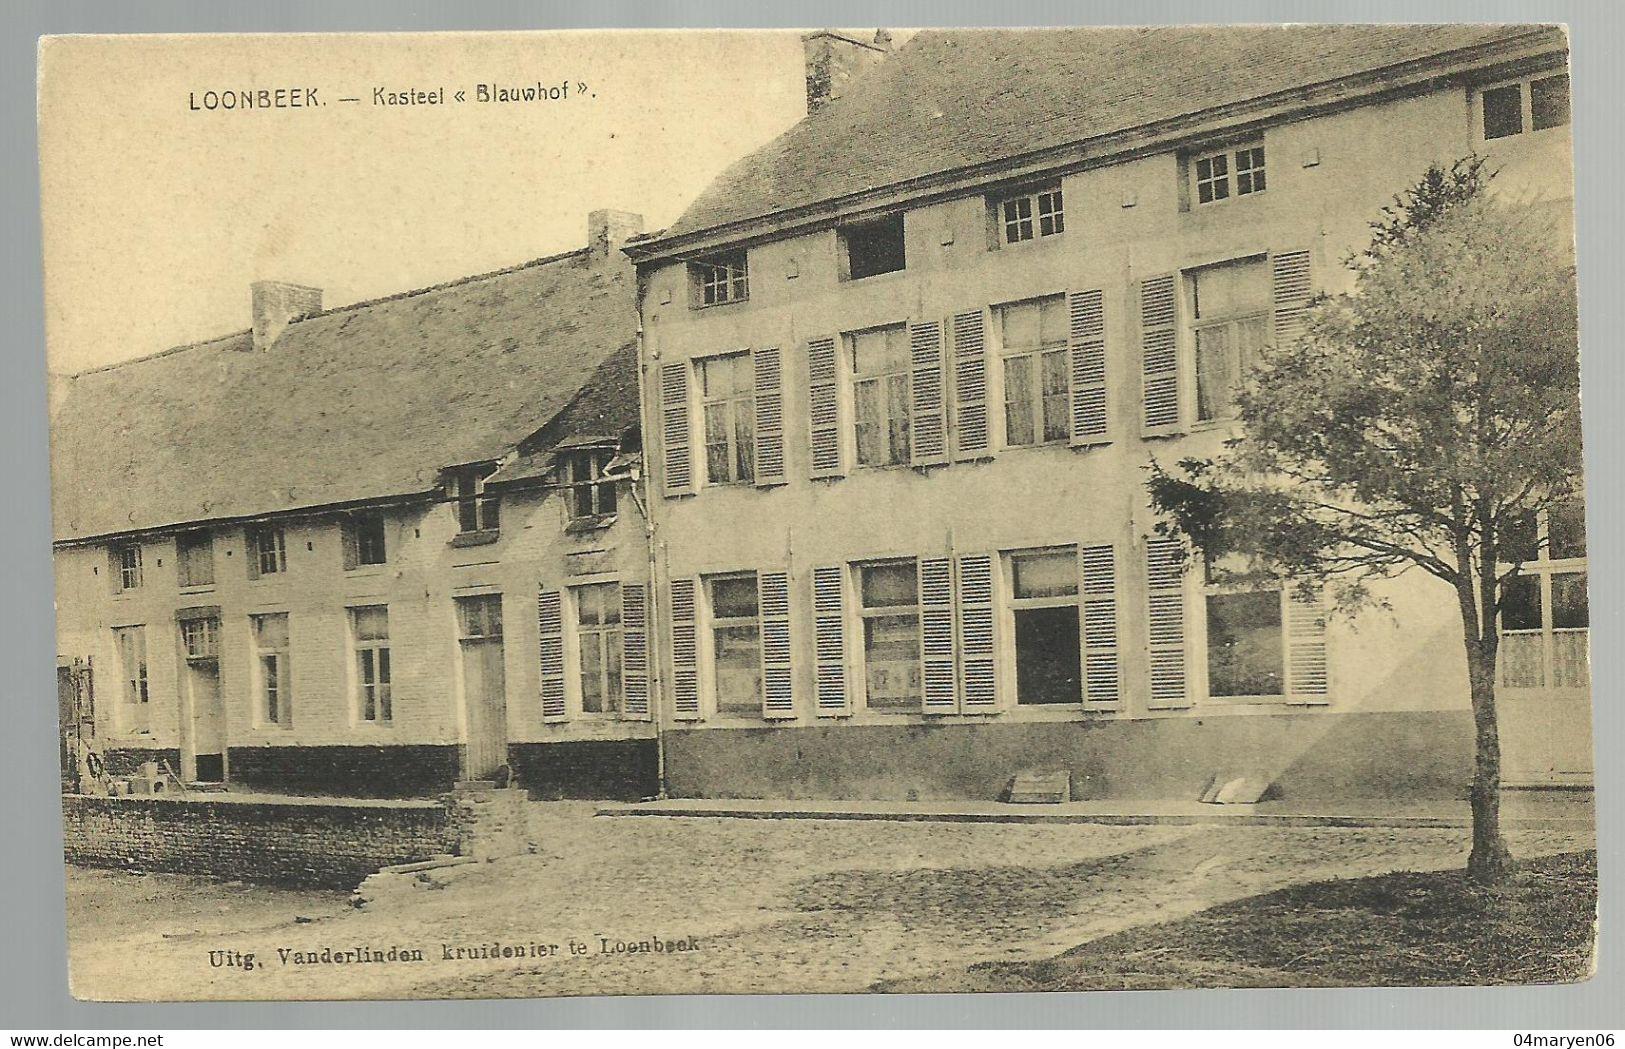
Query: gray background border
33, 985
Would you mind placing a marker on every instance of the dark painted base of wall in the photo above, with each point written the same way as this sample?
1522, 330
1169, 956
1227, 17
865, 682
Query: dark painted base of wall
128, 761
1303, 755
608, 769
358, 772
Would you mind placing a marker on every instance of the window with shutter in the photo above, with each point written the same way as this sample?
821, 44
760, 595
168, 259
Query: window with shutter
882, 397
1229, 310
978, 672
1159, 355
1033, 348
1165, 587
824, 407
936, 599
929, 411
1101, 686
778, 676
888, 607
674, 428
1087, 346
769, 376
635, 651
550, 651
833, 697
1044, 614
970, 427
685, 668
734, 631
1306, 669
1291, 292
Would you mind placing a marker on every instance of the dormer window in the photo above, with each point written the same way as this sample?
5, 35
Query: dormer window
720, 279
477, 512
1528, 105
1027, 216
873, 247
588, 496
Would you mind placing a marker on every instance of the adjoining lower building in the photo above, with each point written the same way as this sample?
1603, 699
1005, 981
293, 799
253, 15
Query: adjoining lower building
905, 366
333, 553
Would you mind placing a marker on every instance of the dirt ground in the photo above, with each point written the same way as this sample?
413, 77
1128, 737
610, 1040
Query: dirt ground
737, 906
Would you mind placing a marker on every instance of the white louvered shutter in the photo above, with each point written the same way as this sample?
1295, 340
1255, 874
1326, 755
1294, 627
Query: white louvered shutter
778, 677
685, 652
674, 429
829, 641
970, 429
635, 651
1290, 292
1307, 680
768, 365
824, 407
928, 423
1165, 588
1100, 676
550, 643
978, 671
1159, 354
1086, 344
936, 583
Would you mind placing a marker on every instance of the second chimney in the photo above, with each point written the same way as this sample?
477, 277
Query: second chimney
834, 60
277, 305
608, 229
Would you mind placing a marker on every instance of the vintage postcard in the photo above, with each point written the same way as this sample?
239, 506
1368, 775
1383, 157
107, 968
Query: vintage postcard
606, 513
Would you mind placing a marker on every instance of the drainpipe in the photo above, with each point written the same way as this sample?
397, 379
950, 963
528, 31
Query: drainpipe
657, 674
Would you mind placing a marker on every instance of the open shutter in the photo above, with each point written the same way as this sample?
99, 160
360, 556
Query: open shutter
674, 425
936, 581
1165, 587
970, 386
685, 651
1101, 689
978, 674
778, 677
768, 366
550, 642
928, 424
1290, 293
829, 640
347, 538
1086, 344
1159, 355
635, 651
251, 551
1306, 676
824, 407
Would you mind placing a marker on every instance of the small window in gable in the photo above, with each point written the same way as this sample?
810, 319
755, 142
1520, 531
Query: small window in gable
1224, 174
719, 279
871, 248
1026, 216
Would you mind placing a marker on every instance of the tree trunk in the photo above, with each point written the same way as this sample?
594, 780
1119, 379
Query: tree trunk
1490, 861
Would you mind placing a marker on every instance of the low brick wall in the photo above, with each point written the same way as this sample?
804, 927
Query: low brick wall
489, 824
330, 843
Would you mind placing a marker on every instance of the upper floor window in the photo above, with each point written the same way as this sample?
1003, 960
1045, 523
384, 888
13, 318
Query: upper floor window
127, 566
1535, 104
880, 394
728, 396
194, 558
267, 550
736, 638
1033, 338
476, 510
1233, 172
598, 639
588, 496
1029, 215
364, 539
872, 247
1230, 306
135, 714
720, 279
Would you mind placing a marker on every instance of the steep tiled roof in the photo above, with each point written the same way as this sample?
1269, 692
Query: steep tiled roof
952, 100
363, 402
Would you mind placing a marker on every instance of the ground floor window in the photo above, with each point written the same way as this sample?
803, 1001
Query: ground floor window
369, 628
135, 713
736, 645
598, 638
1246, 651
893, 678
271, 667
1049, 651
1545, 631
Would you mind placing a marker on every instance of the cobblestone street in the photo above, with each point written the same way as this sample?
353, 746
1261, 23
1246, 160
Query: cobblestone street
769, 905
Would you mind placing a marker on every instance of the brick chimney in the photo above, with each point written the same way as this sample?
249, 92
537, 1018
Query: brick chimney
277, 305
835, 59
608, 229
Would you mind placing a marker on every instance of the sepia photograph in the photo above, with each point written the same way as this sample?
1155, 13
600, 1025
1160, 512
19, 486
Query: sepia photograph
837, 510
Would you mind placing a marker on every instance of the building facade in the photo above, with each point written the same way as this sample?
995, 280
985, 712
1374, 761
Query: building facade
904, 368
371, 550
